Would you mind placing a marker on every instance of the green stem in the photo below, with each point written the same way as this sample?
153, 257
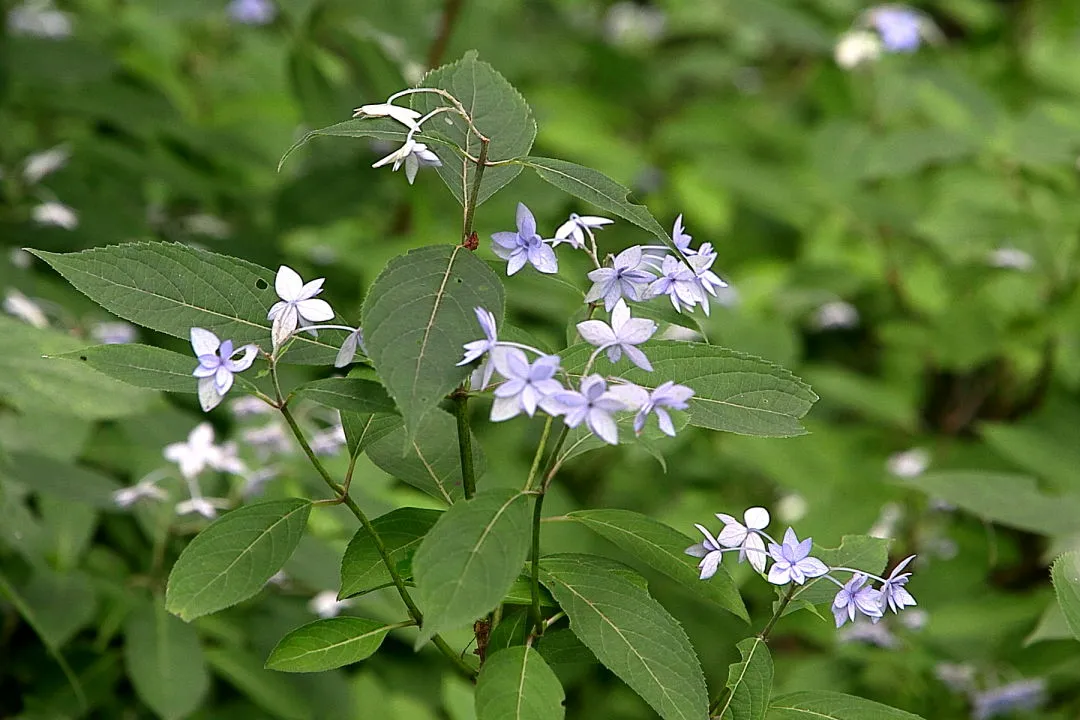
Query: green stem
554, 462
537, 615
470, 201
468, 472
539, 454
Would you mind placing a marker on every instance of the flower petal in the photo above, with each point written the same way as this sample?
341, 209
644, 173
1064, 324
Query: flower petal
204, 342
596, 332
315, 310
757, 518
526, 223
288, 283
754, 547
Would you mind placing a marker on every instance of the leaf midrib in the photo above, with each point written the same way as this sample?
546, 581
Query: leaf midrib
480, 541
758, 642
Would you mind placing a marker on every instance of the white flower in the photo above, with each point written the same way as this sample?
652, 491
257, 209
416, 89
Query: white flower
54, 213
415, 155
39, 18
575, 229
857, 47
908, 464
126, 497
622, 336
737, 535
327, 605
22, 307
298, 305
200, 452
836, 315
207, 507
405, 116
249, 405
113, 333
41, 164
1010, 258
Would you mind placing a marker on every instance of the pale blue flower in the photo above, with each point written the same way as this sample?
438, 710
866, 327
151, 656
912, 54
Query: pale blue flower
478, 348
623, 335
217, 363
352, 341
666, 395
856, 597
793, 562
681, 238
900, 27
1020, 696
252, 12
747, 537
524, 246
593, 405
679, 283
574, 230
701, 263
710, 552
893, 593
526, 384
626, 278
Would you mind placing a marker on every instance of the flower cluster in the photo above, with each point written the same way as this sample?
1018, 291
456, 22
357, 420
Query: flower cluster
888, 28
791, 562
413, 155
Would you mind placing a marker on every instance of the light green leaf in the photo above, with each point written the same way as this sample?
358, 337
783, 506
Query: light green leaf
63, 604
470, 558
516, 684
401, 531
861, 552
749, 682
69, 528
266, 688
165, 662
418, 315
911, 150
171, 288
1013, 500
662, 548
348, 395
733, 391
1066, 576
41, 474
822, 705
143, 366
630, 633
497, 110
327, 644
430, 462
232, 559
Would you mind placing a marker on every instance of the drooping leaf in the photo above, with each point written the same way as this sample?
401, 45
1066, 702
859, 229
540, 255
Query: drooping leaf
1066, 576
165, 662
497, 110
348, 395
327, 644
470, 558
630, 633
269, 690
662, 548
232, 559
861, 552
143, 366
516, 684
822, 705
733, 391
431, 461
418, 315
401, 531
42, 474
749, 683
171, 288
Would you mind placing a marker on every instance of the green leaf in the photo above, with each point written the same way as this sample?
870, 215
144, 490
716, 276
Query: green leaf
581, 440
63, 604
401, 531
1013, 500
630, 633
662, 548
733, 391
232, 559
911, 150
143, 366
595, 187
470, 558
42, 474
497, 110
1066, 576
265, 687
378, 128
516, 684
362, 429
165, 662
749, 682
418, 315
171, 288
430, 462
328, 644
513, 628
861, 552
348, 395
822, 705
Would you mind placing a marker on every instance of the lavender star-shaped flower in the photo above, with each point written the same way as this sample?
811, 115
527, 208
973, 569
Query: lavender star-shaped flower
710, 552
217, 363
478, 348
524, 246
593, 405
624, 279
856, 597
621, 336
574, 230
526, 384
298, 305
893, 593
666, 395
793, 562
679, 283
745, 536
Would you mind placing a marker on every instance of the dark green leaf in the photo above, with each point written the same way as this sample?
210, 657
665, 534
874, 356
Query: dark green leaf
401, 531
143, 366
516, 684
749, 682
327, 644
348, 395
265, 687
41, 474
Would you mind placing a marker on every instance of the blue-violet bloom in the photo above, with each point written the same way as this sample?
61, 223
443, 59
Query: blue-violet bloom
681, 237
666, 395
298, 305
1023, 695
893, 593
679, 283
524, 246
526, 385
793, 562
621, 336
217, 363
575, 229
625, 279
594, 406
746, 536
856, 597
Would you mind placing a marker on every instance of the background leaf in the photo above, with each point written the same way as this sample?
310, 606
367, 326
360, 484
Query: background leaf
517, 684
327, 644
401, 530
265, 688
165, 661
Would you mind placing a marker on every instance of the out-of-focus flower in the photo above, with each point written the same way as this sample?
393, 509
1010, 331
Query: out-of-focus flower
909, 463
217, 364
405, 116
328, 442
915, 619
857, 47
885, 525
44, 163
298, 304
249, 405
326, 604
207, 507
526, 384
747, 537
39, 18
524, 246
1010, 258
252, 12
22, 307
413, 155
594, 406
20, 258
793, 562
791, 508
631, 25
623, 335
200, 452
255, 482
870, 633
574, 230
209, 225
856, 597
145, 488
626, 278
1020, 696
270, 439
55, 214
836, 315
958, 677
902, 29
113, 333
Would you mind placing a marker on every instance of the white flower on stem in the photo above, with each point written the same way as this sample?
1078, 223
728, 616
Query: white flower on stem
326, 604
414, 155
200, 452
856, 48
746, 536
146, 488
298, 305
207, 507
477, 349
22, 307
405, 116
55, 214
44, 163
574, 230
710, 552
622, 336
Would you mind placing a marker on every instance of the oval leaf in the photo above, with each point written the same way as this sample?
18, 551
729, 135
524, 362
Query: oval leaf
1066, 576
468, 561
233, 558
821, 705
349, 395
401, 530
630, 633
328, 644
165, 662
749, 683
143, 366
516, 684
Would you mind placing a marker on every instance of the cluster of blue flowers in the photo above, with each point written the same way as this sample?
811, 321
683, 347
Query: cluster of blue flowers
792, 563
